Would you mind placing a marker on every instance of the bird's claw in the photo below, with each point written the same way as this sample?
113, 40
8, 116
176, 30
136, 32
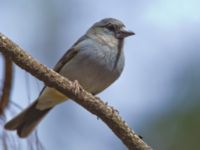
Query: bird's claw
76, 86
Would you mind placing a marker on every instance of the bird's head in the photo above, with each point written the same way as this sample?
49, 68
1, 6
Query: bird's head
110, 27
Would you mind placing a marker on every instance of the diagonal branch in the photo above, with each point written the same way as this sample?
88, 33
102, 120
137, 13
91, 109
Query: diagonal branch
79, 95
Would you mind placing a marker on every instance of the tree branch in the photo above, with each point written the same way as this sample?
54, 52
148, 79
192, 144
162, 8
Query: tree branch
79, 95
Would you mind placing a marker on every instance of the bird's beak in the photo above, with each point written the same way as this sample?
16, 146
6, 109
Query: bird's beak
124, 33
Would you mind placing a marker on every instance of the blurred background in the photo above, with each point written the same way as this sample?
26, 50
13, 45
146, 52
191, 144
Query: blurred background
158, 92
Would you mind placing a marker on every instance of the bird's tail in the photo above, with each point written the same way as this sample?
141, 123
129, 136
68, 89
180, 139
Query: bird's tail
27, 120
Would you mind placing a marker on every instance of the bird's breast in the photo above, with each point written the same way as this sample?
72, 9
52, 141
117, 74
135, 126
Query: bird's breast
94, 66
109, 41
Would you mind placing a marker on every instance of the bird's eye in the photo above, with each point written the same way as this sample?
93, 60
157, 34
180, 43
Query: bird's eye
111, 28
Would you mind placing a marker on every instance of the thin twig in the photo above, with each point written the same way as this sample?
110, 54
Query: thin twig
78, 94
7, 83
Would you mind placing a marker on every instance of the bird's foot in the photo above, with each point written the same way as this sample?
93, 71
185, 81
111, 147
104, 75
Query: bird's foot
76, 87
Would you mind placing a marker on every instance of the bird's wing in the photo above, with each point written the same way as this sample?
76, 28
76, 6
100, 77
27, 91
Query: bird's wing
65, 58
68, 55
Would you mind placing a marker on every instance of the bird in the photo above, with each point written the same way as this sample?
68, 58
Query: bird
96, 60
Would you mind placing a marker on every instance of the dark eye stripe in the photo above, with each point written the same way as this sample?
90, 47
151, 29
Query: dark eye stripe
111, 28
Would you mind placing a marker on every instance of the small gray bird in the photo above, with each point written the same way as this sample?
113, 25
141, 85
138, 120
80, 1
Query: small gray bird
96, 60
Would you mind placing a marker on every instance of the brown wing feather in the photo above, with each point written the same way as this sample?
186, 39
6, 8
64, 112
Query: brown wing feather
66, 58
68, 55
